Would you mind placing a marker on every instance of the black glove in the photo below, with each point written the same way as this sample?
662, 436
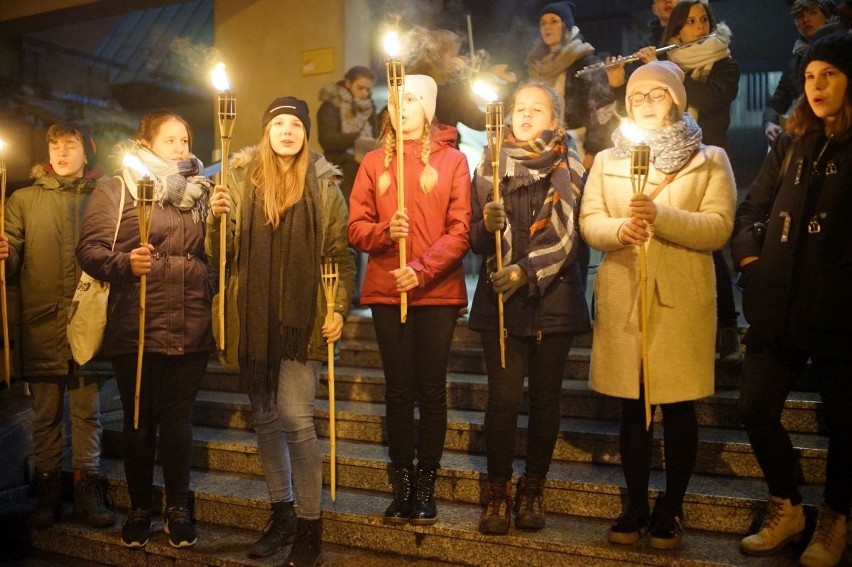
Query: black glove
509, 280
494, 216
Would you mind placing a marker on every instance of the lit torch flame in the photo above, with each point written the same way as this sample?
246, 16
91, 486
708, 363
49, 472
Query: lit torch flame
632, 132
220, 78
484, 90
135, 164
391, 44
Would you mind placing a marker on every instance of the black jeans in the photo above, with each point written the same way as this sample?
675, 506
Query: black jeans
544, 362
415, 357
768, 375
680, 447
169, 387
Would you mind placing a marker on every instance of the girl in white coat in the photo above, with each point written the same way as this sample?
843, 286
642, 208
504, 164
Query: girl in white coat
685, 214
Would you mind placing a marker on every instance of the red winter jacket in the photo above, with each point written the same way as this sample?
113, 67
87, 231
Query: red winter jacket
439, 223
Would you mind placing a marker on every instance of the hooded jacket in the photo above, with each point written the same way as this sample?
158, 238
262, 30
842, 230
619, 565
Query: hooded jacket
439, 223
42, 224
333, 215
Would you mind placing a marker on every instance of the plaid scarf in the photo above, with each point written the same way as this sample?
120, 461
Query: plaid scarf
551, 159
671, 146
279, 273
178, 183
354, 114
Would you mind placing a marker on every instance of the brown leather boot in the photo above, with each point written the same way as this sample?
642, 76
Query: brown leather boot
498, 509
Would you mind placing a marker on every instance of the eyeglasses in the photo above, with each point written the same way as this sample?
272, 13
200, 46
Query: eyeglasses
656, 95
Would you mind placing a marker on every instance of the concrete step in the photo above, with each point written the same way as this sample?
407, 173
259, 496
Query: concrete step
714, 502
721, 451
354, 520
469, 391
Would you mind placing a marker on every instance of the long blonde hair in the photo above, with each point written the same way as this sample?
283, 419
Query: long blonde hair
429, 176
278, 187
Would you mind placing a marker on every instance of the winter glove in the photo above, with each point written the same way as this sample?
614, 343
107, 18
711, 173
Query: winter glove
508, 280
494, 216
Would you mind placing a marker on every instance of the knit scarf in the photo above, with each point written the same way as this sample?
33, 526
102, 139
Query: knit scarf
697, 59
177, 183
523, 164
671, 146
354, 114
279, 273
548, 67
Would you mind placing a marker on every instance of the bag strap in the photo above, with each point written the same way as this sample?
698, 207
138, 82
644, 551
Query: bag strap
663, 184
120, 211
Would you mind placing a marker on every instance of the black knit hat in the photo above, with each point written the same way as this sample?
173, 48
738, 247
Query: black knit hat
288, 105
565, 11
835, 49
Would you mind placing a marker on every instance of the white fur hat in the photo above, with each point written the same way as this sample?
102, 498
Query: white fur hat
424, 89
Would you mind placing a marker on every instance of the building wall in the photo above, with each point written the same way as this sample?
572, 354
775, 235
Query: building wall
261, 43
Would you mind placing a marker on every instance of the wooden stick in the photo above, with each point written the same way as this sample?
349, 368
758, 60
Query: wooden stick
640, 156
396, 86
227, 111
144, 200
4, 306
494, 130
330, 279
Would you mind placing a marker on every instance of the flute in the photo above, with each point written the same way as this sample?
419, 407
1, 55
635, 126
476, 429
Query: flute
621, 59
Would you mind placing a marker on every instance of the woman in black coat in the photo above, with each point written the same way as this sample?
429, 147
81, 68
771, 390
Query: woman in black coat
797, 280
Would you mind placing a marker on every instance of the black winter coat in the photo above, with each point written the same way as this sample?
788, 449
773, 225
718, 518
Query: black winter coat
713, 98
798, 292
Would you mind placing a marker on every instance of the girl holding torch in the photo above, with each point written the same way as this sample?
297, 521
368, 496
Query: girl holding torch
435, 226
684, 214
177, 338
541, 179
287, 212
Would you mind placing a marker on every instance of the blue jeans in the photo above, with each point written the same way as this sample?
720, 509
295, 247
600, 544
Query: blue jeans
84, 406
287, 441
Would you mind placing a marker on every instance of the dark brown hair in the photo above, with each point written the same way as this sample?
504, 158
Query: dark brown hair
803, 120
150, 125
679, 15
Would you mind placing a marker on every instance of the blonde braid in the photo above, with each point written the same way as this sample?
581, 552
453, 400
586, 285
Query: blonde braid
429, 176
389, 140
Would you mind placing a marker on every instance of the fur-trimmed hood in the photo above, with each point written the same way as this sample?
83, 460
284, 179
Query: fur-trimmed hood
49, 180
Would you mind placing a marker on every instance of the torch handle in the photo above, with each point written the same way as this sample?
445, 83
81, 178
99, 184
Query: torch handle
4, 305
400, 205
643, 298
143, 285
332, 433
498, 252
223, 243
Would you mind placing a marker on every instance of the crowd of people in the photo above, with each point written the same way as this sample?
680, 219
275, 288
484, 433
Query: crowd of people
663, 291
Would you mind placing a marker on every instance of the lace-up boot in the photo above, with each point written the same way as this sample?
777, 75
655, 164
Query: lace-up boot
498, 509
399, 509
784, 522
89, 502
307, 551
529, 504
828, 542
280, 530
49, 493
424, 512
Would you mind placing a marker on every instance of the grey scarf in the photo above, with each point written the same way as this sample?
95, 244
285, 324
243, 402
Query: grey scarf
671, 146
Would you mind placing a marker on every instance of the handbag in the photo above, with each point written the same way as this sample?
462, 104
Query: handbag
88, 314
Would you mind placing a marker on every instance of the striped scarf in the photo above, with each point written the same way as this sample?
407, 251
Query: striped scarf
553, 158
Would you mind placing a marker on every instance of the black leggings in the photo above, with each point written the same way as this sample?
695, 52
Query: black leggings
680, 446
169, 387
415, 357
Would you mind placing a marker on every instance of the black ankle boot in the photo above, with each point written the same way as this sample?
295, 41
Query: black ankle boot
89, 502
280, 530
403, 491
529, 504
307, 551
423, 509
49, 494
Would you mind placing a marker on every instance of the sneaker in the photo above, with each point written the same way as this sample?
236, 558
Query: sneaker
784, 522
137, 528
177, 523
630, 526
666, 530
828, 542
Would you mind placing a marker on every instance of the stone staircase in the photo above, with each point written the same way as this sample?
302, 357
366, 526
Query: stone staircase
584, 488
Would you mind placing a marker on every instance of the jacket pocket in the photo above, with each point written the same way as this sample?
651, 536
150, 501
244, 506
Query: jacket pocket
39, 332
